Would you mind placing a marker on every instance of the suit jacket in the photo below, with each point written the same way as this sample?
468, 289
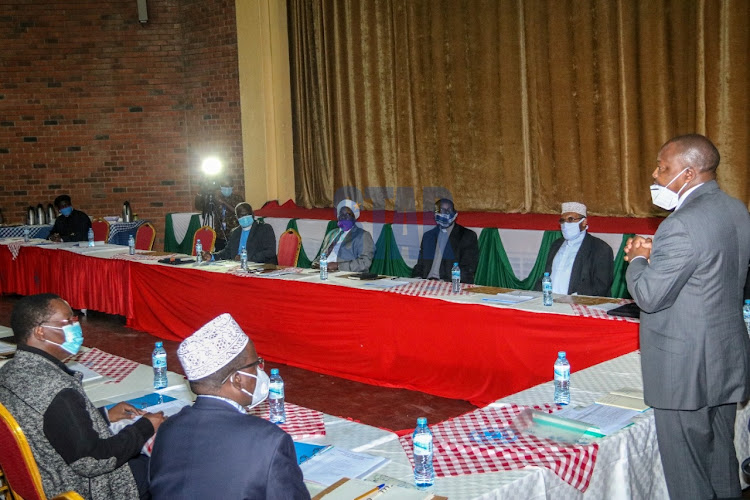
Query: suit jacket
462, 248
695, 351
74, 227
261, 244
210, 450
593, 267
356, 251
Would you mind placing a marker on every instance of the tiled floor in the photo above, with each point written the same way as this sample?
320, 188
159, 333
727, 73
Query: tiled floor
393, 409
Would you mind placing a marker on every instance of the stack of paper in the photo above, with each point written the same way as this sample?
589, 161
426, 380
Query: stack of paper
347, 489
333, 464
627, 398
7, 348
90, 377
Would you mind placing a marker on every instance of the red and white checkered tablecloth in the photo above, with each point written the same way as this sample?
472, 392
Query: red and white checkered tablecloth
594, 312
106, 364
428, 288
142, 256
482, 441
300, 423
270, 274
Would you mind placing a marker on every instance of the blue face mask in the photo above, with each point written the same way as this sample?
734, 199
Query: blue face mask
73, 337
226, 191
445, 220
66, 211
246, 221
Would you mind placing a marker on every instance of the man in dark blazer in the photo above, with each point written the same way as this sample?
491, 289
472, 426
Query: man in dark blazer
258, 238
585, 265
695, 352
214, 449
445, 244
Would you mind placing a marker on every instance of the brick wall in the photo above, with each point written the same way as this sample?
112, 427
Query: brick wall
94, 104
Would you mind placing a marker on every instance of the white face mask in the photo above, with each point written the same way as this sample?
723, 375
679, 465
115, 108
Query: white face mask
666, 198
261, 388
570, 229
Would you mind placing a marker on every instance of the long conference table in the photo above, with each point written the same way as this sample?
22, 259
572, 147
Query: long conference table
416, 335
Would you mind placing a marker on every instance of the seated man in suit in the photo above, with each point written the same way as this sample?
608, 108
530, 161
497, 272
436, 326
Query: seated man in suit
257, 238
445, 244
71, 224
579, 263
348, 247
214, 449
69, 437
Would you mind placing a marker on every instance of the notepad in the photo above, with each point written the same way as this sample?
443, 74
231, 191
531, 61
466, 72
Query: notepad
347, 489
90, 377
7, 348
333, 464
305, 451
627, 398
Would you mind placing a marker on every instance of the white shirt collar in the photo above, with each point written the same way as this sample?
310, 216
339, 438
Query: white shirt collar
684, 195
238, 406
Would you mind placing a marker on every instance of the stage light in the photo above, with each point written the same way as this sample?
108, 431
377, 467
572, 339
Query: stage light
211, 166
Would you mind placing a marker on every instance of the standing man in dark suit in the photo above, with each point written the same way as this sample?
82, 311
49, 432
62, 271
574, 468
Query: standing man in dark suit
257, 238
214, 449
695, 352
445, 244
579, 263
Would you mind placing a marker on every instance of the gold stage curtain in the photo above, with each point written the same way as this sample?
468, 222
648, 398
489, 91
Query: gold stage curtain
513, 105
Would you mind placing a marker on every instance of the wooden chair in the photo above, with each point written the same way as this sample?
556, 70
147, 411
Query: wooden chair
289, 246
101, 229
207, 236
18, 463
144, 237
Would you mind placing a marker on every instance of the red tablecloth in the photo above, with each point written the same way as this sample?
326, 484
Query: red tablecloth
473, 352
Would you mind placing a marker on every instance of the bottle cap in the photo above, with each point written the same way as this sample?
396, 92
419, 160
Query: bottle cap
159, 344
274, 371
747, 301
422, 421
546, 274
561, 354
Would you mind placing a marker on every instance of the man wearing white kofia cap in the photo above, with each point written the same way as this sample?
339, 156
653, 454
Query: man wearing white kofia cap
578, 262
348, 247
214, 449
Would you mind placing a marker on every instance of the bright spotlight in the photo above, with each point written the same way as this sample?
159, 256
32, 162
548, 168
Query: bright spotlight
211, 166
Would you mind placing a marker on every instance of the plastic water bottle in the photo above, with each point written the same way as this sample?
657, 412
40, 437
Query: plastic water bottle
26, 234
562, 379
424, 473
455, 278
547, 290
746, 315
243, 259
323, 266
159, 362
131, 245
276, 413
91, 237
198, 251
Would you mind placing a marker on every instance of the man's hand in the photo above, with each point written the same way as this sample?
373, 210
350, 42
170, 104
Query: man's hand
156, 419
55, 237
333, 266
206, 256
122, 411
637, 246
315, 265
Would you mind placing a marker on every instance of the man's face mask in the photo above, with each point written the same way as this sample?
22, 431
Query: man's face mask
261, 387
665, 198
445, 220
66, 211
73, 337
246, 221
570, 229
226, 191
345, 224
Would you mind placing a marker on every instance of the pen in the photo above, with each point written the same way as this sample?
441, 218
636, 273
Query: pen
374, 490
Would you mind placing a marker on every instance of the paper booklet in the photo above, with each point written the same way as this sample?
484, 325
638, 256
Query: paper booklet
333, 464
628, 398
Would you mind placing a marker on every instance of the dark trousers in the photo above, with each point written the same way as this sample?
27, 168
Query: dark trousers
139, 468
697, 452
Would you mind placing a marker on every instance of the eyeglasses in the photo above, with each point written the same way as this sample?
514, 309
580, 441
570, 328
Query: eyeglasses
571, 219
260, 362
70, 321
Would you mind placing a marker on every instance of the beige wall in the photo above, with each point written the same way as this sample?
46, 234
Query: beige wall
265, 97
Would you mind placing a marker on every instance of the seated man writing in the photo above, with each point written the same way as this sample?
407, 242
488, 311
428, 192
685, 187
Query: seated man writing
348, 247
579, 263
214, 449
71, 224
257, 238
69, 437
445, 244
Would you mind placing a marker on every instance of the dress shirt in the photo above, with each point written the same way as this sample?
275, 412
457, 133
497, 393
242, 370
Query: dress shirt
684, 196
562, 266
442, 240
226, 400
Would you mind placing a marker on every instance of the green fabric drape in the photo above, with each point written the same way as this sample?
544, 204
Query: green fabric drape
388, 258
170, 243
332, 224
494, 267
302, 260
619, 285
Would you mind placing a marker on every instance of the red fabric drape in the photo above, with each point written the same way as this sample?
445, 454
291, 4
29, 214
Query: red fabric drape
471, 352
